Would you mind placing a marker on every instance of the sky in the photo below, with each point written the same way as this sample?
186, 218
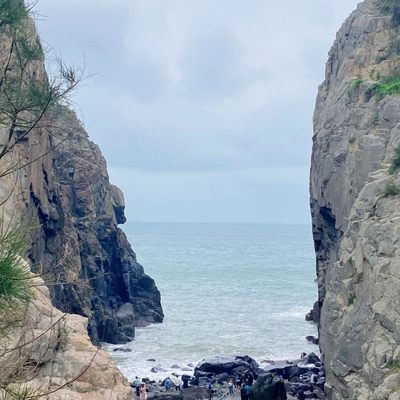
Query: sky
202, 108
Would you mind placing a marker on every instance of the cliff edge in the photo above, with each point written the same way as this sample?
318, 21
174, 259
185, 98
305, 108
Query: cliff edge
355, 205
54, 178
71, 198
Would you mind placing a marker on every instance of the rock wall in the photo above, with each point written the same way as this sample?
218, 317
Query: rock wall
79, 211
55, 358
61, 186
356, 221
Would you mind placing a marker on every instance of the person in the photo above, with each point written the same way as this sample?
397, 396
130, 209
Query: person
136, 384
243, 392
231, 389
238, 384
250, 378
210, 390
178, 384
143, 392
168, 384
185, 380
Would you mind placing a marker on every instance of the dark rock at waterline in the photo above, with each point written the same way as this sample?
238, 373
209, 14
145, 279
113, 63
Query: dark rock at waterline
123, 350
287, 370
156, 370
231, 365
314, 314
312, 339
311, 358
268, 387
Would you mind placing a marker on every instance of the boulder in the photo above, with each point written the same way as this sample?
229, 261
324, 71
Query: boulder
287, 370
311, 358
230, 365
156, 370
312, 339
123, 350
268, 387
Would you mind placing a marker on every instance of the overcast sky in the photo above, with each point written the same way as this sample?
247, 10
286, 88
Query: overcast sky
202, 108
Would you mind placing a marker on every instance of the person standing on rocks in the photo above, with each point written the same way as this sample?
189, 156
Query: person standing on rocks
238, 384
231, 388
136, 384
210, 390
143, 392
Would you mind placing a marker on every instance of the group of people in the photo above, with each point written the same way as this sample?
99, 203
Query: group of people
242, 385
140, 388
176, 382
170, 383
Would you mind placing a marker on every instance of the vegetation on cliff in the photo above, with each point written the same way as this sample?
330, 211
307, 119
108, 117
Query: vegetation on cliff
391, 7
27, 95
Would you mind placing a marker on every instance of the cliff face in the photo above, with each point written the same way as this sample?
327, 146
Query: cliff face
356, 218
55, 357
61, 186
78, 209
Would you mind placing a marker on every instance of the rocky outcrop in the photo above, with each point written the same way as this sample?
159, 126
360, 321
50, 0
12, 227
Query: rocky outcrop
222, 368
355, 206
55, 357
60, 185
54, 187
78, 210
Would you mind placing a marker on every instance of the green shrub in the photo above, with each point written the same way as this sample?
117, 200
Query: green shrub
390, 189
395, 166
12, 13
390, 7
356, 84
385, 87
15, 279
394, 364
352, 298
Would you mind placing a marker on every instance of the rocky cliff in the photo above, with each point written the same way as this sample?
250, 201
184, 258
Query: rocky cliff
355, 205
51, 356
97, 274
56, 179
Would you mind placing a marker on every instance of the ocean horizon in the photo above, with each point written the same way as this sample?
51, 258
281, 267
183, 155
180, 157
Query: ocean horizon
226, 288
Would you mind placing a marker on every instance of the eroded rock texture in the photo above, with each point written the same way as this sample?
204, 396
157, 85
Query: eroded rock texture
52, 353
56, 179
356, 226
79, 210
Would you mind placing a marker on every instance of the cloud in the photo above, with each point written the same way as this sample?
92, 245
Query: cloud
199, 88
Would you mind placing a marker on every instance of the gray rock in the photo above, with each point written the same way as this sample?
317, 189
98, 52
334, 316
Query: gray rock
77, 211
123, 350
227, 364
356, 228
268, 387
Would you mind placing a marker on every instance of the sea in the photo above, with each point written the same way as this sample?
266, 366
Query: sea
230, 289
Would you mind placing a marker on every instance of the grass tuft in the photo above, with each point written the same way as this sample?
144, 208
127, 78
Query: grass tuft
390, 7
385, 87
390, 189
395, 166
